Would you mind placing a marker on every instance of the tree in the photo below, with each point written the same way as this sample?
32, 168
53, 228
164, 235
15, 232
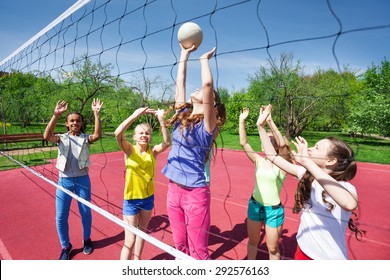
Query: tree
280, 85
152, 89
233, 108
87, 81
334, 92
301, 101
371, 110
24, 97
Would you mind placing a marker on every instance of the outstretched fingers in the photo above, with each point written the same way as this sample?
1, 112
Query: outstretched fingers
96, 104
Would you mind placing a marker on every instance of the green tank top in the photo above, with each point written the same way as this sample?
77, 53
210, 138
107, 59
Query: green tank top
268, 184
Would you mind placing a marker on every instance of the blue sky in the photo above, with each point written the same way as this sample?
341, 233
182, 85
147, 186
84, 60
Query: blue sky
235, 30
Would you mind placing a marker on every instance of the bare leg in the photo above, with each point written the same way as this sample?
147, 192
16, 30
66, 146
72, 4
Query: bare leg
254, 229
129, 237
272, 240
144, 218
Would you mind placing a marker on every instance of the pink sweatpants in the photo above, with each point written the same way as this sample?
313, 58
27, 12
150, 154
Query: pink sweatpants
189, 216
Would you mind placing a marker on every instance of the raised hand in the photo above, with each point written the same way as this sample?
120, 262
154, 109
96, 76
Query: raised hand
61, 107
269, 118
96, 105
208, 55
159, 113
244, 114
143, 110
264, 113
185, 53
302, 147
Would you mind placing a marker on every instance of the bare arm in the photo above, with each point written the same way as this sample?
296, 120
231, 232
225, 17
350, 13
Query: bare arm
97, 133
339, 194
180, 96
121, 129
48, 134
164, 130
269, 148
280, 140
243, 137
210, 120
275, 132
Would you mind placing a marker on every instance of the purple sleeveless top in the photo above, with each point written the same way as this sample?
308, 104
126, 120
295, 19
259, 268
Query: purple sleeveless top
186, 159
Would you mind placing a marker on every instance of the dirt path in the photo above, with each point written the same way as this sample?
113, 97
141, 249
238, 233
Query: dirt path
30, 151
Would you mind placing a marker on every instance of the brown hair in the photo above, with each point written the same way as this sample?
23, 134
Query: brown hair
188, 121
345, 169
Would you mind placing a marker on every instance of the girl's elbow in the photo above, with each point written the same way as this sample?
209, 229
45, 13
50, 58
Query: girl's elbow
207, 85
96, 137
353, 206
350, 206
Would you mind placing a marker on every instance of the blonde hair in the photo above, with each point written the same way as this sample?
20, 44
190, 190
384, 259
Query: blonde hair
145, 126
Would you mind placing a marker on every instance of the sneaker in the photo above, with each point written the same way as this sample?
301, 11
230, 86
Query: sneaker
88, 248
65, 253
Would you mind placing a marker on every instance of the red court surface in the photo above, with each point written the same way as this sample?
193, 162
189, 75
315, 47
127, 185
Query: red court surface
27, 212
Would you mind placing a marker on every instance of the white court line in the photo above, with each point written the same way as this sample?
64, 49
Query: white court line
373, 168
5, 255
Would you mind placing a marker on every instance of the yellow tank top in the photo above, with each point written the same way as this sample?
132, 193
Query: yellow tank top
268, 185
140, 170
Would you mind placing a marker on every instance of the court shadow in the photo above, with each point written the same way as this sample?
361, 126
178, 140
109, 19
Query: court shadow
228, 239
99, 244
163, 256
158, 223
287, 246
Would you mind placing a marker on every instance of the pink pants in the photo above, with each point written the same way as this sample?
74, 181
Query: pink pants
189, 216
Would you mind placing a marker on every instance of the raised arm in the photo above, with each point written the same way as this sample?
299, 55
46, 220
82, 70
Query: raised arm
243, 137
48, 134
165, 133
97, 133
269, 148
121, 129
210, 120
344, 198
180, 96
280, 140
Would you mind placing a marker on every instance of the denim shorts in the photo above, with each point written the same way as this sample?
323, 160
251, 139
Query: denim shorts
273, 216
134, 206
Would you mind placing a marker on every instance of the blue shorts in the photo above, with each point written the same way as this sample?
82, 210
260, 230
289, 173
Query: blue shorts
134, 206
273, 216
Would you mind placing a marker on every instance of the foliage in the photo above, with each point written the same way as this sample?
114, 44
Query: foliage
371, 112
325, 100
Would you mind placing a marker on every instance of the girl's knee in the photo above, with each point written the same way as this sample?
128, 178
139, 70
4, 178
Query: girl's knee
273, 251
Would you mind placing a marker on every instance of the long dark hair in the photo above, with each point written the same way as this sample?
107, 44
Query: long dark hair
345, 169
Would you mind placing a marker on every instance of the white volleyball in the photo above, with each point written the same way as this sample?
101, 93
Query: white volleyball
190, 34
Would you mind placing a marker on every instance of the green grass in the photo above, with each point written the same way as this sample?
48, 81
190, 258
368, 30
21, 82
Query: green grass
367, 149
